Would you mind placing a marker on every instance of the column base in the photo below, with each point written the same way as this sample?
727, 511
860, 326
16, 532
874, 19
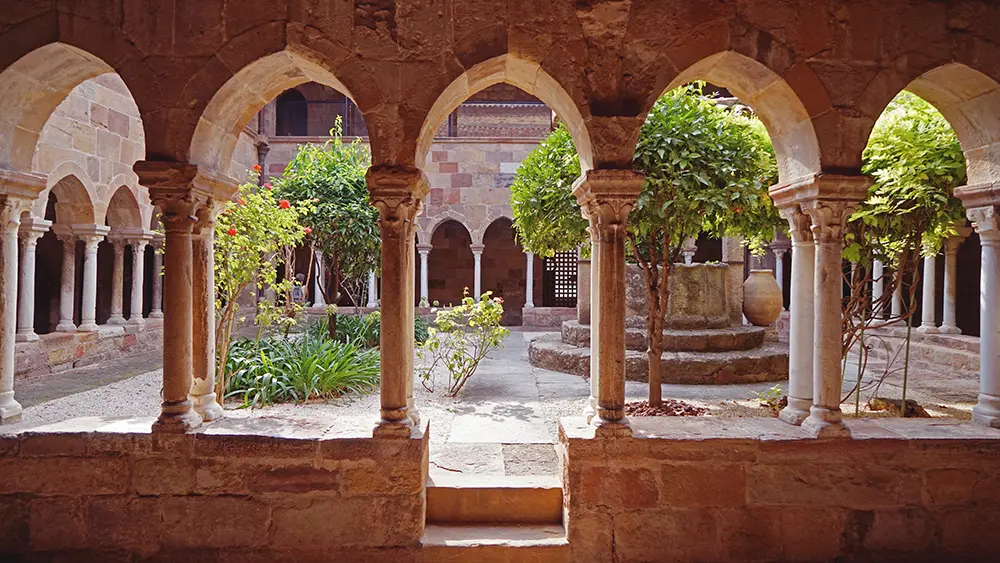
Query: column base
116, 320
156, 315
825, 423
611, 423
139, 321
987, 411
25, 337
928, 329
66, 326
88, 327
393, 429
413, 413
10, 410
207, 407
177, 418
796, 411
946, 329
590, 411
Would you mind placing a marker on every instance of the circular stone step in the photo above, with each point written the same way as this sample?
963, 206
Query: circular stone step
767, 363
677, 340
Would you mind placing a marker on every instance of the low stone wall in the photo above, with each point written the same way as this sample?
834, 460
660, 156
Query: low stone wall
237, 490
759, 490
931, 352
546, 317
60, 351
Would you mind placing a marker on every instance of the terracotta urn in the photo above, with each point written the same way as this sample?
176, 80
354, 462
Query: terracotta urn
762, 299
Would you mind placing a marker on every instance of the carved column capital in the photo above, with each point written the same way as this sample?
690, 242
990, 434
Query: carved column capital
986, 221
829, 218
397, 192
607, 196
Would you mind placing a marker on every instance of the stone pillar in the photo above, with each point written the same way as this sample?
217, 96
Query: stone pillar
800, 332
689, 249
67, 288
156, 307
529, 282
584, 276
117, 282
203, 396
425, 252
372, 290
779, 271
477, 255
397, 192
17, 191
829, 201
733, 252
982, 204
31, 230
138, 271
928, 310
897, 300
607, 196
594, 311
948, 324
878, 288
411, 313
92, 236
318, 299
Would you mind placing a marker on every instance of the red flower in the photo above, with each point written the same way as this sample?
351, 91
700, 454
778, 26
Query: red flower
267, 185
256, 168
284, 204
241, 201
231, 232
308, 230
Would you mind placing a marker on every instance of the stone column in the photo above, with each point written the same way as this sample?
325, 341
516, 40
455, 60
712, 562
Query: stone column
830, 201
800, 332
689, 249
897, 300
607, 197
411, 313
67, 288
397, 193
156, 307
948, 324
372, 290
31, 230
878, 288
425, 252
318, 299
594, 311
477, 255
529, 282
138, 271
928, 309
17, 190
92, 236
117, 282
733, 252
203, 396
779, 271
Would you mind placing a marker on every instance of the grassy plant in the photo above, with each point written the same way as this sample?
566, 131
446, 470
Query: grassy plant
363, 330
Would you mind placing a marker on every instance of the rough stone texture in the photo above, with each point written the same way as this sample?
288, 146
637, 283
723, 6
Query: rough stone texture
547, 317
760, 489
60, 351
933, 352
677, 340
98, 490
698, 297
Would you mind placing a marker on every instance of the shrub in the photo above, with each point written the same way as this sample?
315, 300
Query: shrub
460, 339
364, 330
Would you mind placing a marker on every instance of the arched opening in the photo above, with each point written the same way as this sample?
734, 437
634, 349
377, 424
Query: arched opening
451, 266
291, 114
504, 269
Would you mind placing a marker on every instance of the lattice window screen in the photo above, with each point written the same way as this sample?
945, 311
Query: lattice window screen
559, 280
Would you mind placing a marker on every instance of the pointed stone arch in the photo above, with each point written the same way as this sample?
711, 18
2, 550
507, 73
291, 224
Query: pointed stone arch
123, 210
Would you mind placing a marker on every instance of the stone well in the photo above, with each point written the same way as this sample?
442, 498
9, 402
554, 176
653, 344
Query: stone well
701, 344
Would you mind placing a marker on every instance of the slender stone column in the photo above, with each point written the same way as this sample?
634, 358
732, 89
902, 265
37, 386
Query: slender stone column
318, 299
67, 288
928, 310
477, 255
156, 307
397, 193
117, 282
138, 271
31, 231
17, 190
607, 197
897, 300
425, 252
948, 324
88, 310
529, 282
800, 333
411, 313
779, 271
689, 249
878, 288
372, 290
594, 309
203, 396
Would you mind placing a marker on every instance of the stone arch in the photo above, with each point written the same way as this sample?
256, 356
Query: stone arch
450, 266
123, 210
526, 75
775, 102
73, 199
442, 218
234, 104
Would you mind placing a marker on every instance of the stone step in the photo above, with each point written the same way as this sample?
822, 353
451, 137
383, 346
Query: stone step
495, 544
767, 363
726, 339
482, 499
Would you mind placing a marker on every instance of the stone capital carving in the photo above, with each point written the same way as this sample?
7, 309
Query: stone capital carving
799, 224
397, 192
424, 248
477, 248
829, 218
986, 221
180, 190
30, 238
607, 196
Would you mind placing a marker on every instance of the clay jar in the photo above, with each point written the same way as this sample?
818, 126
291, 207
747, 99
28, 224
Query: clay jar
762, 299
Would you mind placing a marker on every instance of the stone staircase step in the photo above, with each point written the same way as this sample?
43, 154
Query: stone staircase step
744, 337
541, 543
479, 499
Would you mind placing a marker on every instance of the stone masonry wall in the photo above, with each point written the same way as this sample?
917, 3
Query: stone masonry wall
759, 490
100, 491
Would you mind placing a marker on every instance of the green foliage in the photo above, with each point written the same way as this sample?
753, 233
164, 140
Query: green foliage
363, 330
546, 216
344, 223
460, 339
281, 369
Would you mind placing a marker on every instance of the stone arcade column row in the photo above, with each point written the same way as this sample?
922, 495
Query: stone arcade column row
607, 197
397, 192
948, 320
425, 251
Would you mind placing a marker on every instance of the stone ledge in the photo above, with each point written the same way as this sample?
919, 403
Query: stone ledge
726, 339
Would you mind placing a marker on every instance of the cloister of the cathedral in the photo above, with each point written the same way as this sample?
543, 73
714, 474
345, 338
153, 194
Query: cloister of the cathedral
186, 483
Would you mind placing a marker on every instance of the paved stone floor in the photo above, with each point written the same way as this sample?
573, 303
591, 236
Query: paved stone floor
504, 422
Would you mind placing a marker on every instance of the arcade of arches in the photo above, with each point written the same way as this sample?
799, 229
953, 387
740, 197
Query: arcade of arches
119, 117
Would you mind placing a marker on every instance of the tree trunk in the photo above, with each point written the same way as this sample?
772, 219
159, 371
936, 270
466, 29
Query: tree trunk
654, 334
331, 323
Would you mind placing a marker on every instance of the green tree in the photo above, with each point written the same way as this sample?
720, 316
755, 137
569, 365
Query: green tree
707, 168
